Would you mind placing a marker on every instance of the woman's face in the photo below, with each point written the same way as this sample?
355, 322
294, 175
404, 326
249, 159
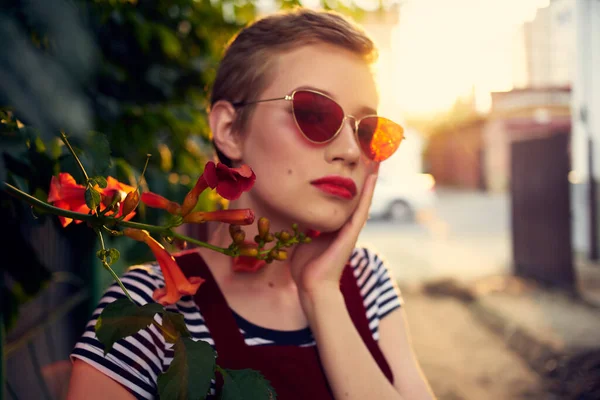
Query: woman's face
287, 166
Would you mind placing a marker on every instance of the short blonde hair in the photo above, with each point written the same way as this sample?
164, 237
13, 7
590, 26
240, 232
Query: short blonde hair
248, 59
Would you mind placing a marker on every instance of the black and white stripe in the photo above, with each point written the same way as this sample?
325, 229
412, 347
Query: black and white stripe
136, 361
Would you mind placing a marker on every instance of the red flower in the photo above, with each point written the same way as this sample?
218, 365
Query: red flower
119, 189
229, 182
247, 263
65, 193
191, 199
176, 283
311, 233
157, 201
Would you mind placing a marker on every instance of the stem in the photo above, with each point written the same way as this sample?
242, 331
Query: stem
47, 207
63, 137
163, 330
146, 227
75, 215
112, 272
220, 370
103, 219
200, 243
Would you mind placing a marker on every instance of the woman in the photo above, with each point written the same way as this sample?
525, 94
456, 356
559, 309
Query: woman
289, 100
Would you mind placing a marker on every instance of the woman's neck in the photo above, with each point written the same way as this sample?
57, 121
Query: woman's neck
273, 275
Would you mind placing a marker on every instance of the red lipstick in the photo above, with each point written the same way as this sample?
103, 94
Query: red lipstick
336, 186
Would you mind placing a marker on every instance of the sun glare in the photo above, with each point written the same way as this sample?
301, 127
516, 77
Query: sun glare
441, 50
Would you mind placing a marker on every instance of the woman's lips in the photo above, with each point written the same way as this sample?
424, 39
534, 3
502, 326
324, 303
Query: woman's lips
336, 186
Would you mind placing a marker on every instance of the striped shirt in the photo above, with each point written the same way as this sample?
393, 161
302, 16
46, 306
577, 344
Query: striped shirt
136, 361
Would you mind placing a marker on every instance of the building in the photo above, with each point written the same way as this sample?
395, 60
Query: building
516, 115
561, 47
455, 154
586, 126
546, 47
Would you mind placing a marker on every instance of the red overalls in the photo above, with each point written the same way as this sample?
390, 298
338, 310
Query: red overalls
294, 372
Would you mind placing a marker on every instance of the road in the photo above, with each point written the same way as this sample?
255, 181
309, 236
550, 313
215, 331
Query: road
466, 236
461, 359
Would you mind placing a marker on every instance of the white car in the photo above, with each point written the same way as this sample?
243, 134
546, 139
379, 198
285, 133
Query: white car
401, 197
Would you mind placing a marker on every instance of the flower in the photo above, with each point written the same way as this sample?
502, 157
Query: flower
244, 216
157, 201
311, 233
229, 182
114, 187
176, 283
191, 199
131, 202
121, 191
247, 263
65, 193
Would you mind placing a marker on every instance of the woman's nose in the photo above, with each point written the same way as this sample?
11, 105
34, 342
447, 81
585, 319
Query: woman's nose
345, 147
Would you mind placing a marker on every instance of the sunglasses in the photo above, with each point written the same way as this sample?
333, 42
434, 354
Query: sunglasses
320, 119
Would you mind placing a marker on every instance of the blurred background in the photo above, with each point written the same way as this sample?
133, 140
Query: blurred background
487, 215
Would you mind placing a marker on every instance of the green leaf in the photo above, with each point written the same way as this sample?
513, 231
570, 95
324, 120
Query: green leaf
190, 372
100, 181
121, 319
92, 198
174, 324
246, 384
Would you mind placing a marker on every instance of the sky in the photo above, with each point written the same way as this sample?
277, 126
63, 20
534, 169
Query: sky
442, 49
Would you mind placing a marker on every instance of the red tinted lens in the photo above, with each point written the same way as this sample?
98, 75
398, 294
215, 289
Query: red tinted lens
318, 117
379, 137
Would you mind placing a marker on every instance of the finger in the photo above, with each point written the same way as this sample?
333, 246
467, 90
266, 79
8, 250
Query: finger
362, 210
359, 217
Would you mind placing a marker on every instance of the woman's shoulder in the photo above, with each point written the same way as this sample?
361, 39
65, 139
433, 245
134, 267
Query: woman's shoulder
366, 258
377, 285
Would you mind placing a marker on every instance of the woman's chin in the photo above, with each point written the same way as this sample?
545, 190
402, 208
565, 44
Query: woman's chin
327, 223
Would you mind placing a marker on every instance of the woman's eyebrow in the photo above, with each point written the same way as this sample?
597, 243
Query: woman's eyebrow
364, 110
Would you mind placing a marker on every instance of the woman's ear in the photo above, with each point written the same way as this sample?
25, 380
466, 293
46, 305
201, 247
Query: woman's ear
221, 119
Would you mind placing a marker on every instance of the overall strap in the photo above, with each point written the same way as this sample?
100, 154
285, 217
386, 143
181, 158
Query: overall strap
215, 310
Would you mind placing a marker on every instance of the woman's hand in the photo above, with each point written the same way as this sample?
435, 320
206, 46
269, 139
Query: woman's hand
319, 265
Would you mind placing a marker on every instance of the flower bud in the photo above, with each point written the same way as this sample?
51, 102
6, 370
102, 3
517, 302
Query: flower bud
233, 228
136, 234
306, 240
257, 239
238, 237
157, 201
131, 202
243, 216
269, 238
191, 198
284, 236
263, 227
249, 251
281, 255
